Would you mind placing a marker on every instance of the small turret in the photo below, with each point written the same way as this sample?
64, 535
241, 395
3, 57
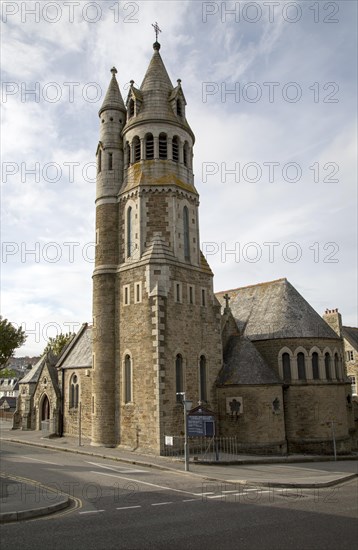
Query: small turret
110, 148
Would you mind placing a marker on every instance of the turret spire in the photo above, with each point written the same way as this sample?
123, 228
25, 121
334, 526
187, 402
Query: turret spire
113, 98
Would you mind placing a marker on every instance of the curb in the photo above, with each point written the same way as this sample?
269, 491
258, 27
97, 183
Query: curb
284, 460
7, 517
286, 485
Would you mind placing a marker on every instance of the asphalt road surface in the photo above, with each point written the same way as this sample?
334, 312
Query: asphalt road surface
119, 506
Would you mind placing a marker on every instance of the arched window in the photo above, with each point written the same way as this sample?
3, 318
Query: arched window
163, 146
175, 149
301, 366
149, 147
179, 108
136, 149
336, 366
286, 365
127, 379
131, 108
129, 232
202, 379
186, 233
128, 154
315, 366
186, 154
327, 364
99, 160
74, 392
179, 379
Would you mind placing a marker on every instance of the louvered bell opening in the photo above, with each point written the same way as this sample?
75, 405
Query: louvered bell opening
163, 146
149, 147
175, 149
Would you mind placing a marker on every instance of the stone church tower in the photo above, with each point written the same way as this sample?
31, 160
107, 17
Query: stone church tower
156, 321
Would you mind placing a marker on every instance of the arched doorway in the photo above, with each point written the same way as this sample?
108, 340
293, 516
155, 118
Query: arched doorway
45, 409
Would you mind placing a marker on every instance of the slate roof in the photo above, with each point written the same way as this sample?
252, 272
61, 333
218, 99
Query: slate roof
275, 310
243, 364
78, 354
351, 334
11, 401
34, 374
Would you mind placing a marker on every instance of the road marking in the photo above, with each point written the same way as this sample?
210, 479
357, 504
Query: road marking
129, 507
120, 469
203, 494
147, 483
38, 460
91, 512
160, 503
191, 500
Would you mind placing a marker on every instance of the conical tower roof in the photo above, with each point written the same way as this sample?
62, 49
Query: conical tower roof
156, 93
156, 77
113, 98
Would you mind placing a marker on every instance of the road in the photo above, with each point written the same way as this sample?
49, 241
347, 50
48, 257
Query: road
125, 507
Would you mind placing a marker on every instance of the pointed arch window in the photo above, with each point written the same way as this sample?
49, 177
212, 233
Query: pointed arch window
179, 108
74, 392
128, 154
129, 232
315, 366
179, 378
136, 149
127, 379
286, 366
327, 365
99, 161
175, 149
163, 146
131, 108
202, 379
336, 367
301, 366
186, 233
149, 147
186, 154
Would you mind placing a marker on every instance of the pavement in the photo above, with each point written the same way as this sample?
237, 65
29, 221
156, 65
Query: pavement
272, 471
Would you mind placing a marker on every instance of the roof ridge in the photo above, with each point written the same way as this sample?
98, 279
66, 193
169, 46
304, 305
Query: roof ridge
257, 284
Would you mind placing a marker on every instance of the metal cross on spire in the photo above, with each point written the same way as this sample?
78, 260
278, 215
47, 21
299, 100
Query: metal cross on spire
157, 30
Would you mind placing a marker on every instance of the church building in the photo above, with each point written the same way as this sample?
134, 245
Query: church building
260, 358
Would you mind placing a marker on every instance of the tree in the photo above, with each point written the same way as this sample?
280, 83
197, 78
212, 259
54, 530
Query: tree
56, 344
8, 373
11, 338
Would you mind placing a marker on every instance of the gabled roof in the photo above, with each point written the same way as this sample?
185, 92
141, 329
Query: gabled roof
351, 334
275, 310
243, 364
11, 401
34, 374
78, 354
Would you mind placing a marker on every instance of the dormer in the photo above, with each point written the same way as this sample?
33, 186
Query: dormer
134, 101
177, 101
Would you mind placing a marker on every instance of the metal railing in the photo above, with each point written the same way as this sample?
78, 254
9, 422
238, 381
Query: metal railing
204, 449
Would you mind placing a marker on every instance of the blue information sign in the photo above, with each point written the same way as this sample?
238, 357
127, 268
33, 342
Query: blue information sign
201, 425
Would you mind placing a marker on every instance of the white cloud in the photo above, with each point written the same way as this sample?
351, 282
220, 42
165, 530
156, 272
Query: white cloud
226, 131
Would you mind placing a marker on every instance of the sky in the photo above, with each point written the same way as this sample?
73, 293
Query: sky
271, 93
